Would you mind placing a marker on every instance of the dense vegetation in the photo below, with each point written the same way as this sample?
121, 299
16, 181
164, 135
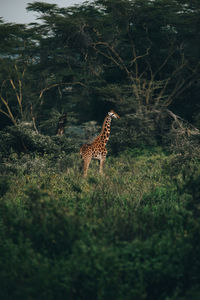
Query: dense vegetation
132, 233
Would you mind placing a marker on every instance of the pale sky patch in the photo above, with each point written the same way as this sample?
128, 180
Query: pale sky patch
14, 11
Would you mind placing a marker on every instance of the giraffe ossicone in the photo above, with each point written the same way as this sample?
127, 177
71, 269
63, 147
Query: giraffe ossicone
97, 149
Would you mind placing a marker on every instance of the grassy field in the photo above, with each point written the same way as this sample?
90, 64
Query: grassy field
132, 233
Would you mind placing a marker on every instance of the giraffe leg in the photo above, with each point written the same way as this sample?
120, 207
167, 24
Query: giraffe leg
87, 161
101, 165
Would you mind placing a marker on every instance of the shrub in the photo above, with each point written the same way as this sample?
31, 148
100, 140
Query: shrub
130, 234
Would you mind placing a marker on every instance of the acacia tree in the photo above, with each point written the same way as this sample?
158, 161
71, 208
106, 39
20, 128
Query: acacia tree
156, 72
127, 54
145, 48
108, 47
17, 46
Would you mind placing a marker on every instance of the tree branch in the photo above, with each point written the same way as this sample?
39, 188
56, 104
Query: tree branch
9, 114
59, 84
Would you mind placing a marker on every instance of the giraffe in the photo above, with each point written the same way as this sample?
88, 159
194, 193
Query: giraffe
97, 149
61, 124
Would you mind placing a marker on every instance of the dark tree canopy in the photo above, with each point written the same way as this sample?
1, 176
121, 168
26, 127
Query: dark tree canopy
86, 59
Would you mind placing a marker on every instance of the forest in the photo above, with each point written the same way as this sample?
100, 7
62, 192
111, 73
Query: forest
132, 232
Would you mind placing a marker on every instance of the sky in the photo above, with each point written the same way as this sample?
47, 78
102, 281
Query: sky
14, 11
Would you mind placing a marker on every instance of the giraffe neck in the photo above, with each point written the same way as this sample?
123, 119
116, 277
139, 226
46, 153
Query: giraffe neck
105, 130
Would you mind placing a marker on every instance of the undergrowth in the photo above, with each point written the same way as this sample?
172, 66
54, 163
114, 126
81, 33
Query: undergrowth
129, 234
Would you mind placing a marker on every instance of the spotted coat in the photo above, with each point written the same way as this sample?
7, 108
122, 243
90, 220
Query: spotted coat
97, 149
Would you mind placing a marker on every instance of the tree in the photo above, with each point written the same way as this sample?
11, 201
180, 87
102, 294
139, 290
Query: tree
128, 55
14, 62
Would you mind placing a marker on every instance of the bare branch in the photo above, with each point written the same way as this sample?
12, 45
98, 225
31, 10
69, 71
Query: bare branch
59, 84
9, 114
18, 94
133, 61
104, 54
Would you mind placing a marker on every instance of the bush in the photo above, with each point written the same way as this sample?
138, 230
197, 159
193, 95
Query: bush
130, 234
4, 185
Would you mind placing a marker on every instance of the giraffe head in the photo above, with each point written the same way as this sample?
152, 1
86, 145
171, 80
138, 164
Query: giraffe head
113, 114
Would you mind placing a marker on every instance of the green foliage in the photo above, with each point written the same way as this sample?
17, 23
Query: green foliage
135, 130
132, 233
4, 185
123, 235
87, 59
23, 138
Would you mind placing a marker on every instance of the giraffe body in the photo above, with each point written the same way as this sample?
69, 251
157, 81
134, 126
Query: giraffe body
61, 124
97, 149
